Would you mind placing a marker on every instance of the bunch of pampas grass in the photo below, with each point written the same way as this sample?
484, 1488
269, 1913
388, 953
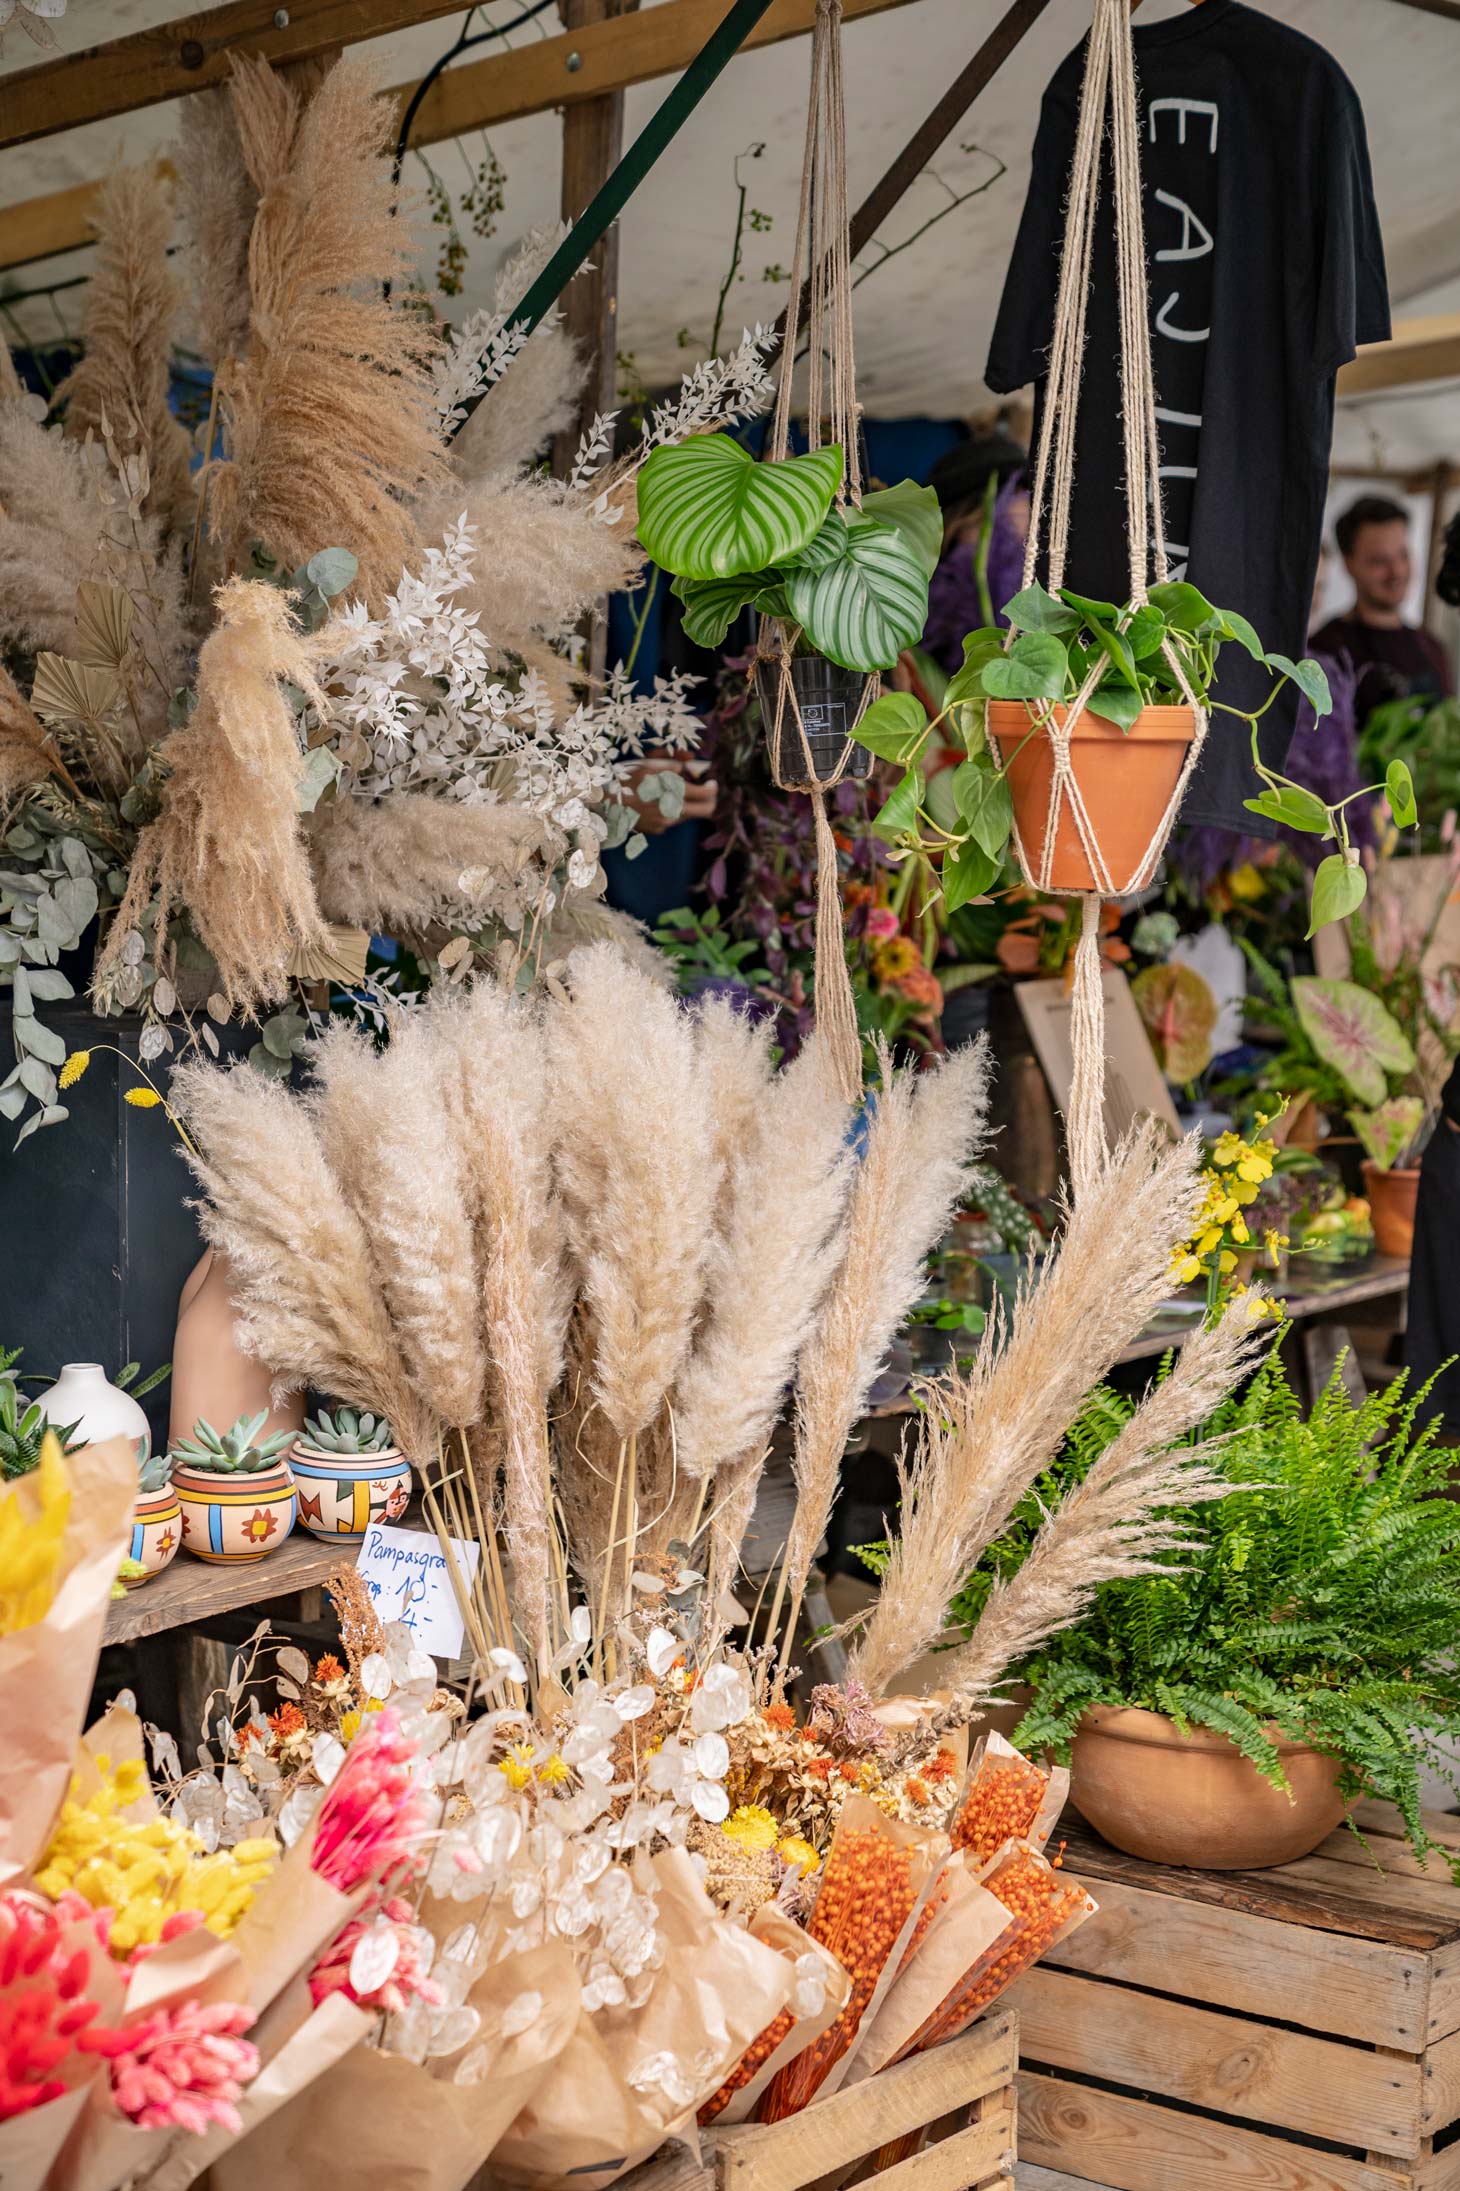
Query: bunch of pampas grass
328, 413
226, 843
402, 864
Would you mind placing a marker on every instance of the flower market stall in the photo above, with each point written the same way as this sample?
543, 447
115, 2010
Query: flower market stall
708, 1083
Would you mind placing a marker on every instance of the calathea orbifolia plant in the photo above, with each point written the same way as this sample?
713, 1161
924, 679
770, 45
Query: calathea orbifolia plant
1058, 640
734, 533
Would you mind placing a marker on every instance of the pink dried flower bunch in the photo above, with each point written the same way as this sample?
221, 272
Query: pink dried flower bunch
180, 2068
406, 1980
44, 2010
373, 1820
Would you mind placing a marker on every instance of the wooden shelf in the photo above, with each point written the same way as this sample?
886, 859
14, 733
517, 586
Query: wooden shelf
192, 1590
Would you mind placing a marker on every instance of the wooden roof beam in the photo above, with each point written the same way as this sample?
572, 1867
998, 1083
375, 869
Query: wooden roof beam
1418, 350
504, 87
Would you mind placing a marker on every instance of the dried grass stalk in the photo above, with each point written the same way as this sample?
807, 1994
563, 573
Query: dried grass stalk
1119, 1522
987, 1436
329, 415
637, 1173
562, 557
227, 842
127, 328
217, 199
12, 387
537, 396
308, 1297
924, 1132
385, 1117
412, 860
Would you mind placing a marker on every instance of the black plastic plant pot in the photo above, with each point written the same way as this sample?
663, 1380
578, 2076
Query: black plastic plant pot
830, 700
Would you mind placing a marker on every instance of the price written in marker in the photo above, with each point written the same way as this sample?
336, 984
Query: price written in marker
406, 1573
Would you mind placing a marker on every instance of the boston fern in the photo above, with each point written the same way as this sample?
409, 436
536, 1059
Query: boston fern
1322, 1599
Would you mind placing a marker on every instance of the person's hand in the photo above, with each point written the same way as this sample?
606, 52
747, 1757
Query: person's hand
700, 793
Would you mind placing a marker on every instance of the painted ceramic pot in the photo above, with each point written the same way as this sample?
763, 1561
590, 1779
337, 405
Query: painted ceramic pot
156, 1532
235, 1517
341, 1494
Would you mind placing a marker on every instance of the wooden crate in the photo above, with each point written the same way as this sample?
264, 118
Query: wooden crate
1293, 2030
961, 2093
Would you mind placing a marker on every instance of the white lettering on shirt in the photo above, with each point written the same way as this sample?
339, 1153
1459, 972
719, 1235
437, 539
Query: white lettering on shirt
1186, 249
1181, 108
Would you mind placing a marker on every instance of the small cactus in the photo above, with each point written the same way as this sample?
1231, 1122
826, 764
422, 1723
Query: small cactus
347, 1431
237, 1452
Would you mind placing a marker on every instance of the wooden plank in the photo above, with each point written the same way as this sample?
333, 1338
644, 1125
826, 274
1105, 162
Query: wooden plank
1128, 2144
1444, 1992
981, 2155
1440, 2105
1346, 1908
1357, 1989
193, 1590
1282, 2079
1419, 349
187, 55
833, 2133
1381, 1819
1395, 1891
475, 95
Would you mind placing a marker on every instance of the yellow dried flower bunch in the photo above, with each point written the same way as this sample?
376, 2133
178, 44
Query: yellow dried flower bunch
1231, 1178
145, 1872
33, 1516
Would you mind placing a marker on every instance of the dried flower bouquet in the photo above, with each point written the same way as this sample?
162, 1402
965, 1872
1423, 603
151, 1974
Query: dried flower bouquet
329, 680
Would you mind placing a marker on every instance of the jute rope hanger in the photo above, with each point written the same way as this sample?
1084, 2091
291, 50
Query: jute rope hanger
823, 246
1109, 86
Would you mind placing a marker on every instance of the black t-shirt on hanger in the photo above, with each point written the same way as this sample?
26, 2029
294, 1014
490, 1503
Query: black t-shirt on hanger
1266, 271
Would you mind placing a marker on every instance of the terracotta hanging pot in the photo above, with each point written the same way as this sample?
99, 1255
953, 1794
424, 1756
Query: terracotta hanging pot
1392, 1198
1195, 1799
1126, 780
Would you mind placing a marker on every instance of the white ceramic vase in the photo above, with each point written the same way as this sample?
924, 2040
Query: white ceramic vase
84, 1395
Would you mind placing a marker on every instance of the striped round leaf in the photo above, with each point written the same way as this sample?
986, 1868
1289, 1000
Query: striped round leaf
711, 605
708, 510
863, 610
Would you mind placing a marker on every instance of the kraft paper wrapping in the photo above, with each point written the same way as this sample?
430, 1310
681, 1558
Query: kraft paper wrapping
29, 2143
425, 2133
716, 1990
782, 1933
46, 1672
969, 1922
293, 1916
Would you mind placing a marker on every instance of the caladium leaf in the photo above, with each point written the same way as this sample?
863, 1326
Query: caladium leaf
708, 510
1388, 1131
1354, 1033
1180, 1016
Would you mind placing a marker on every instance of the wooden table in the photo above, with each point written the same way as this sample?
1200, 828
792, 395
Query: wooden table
193, 1590
1314, 1296
1295, 2029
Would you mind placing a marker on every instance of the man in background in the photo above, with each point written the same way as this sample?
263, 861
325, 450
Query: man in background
1392, 659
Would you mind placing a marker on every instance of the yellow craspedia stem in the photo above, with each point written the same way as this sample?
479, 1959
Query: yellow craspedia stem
142, 1099
145, 1872
33, 1517
73, 1068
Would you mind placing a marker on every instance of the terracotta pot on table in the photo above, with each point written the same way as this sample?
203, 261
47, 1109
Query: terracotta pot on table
1392, 1197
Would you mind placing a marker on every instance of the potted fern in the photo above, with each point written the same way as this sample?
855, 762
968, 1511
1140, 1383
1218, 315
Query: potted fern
349, 1473
844, 588
1225, 1709
235, 1489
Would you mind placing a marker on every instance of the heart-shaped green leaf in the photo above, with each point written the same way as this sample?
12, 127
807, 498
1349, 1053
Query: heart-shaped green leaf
1183, 605
708, 510
1291, 805
984, 803
1103, 611
862, 610
1399, 791
1033, 669
1309, 678
711, 605
1118, 704
1116, 647
1232, 626
1339, 888
1145, 631
893, 726
979, 649
968, 871
898, 817
912, 511
1036, 610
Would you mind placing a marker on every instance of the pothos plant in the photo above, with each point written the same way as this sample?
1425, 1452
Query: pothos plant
1058, 639
736, 533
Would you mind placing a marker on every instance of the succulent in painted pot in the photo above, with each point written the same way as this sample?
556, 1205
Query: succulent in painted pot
157, 1528
235, 1488
236, 1452
347, 1430
349, 1474
155, 1473
23, 1427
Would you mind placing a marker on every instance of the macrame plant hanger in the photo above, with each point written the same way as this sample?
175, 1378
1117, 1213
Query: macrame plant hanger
1110, 82
823, 247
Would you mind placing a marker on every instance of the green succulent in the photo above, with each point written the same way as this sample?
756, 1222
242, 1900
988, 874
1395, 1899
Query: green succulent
237, 1452
22, 1428
155, 1473
347, 1431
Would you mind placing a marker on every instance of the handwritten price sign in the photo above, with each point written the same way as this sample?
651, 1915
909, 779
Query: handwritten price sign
406, 1573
